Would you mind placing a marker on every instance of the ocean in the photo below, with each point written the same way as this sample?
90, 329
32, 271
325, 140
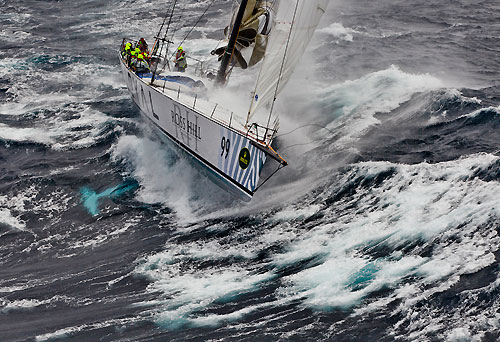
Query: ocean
384, 226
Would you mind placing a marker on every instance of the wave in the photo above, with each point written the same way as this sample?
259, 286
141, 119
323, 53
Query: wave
409, 231
352, 105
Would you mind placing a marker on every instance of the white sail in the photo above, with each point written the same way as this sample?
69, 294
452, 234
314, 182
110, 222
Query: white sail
296, 21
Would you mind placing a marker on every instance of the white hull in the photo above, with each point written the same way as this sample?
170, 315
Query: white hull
200, 136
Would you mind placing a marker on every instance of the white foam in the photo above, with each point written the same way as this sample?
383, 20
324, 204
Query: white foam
337, 30
69, 331
9, 289
12, 64
15, 203
27, 304
23, 304
476, 112
186, 289
19, 19
461, 335
296, 213
7, 218
186, 292
422, 202
82, 128
215, 320
164, 178
15, 35
217, 250
59, 334
37, 135
80, 131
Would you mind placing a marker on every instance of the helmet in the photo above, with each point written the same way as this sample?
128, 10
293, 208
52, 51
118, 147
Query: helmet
180, 48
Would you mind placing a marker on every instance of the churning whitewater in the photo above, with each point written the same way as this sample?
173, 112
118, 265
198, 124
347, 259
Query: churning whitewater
384, 226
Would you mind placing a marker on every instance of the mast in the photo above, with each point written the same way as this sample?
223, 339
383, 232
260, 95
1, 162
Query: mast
221, 75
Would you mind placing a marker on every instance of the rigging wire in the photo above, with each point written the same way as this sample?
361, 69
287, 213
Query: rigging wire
290, 146
165, 62
269, 177
157, 43
306, 125
169, 22
191, 30
196, 24
301, 144
166, 31
305, 143
282, 65
177, 26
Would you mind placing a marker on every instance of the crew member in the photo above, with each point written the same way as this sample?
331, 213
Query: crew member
126, 50
142, 63
180, 60
133, 58
143, 46
126, 54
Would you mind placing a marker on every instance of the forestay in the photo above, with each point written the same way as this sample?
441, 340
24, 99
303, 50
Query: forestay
295, 24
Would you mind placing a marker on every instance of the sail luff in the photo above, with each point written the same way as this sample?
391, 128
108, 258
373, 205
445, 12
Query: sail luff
252, 103
277, 68
282, 66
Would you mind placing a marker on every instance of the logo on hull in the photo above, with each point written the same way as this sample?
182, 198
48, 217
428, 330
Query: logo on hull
244, 158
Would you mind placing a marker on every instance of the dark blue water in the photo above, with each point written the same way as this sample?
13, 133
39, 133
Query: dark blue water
385, 226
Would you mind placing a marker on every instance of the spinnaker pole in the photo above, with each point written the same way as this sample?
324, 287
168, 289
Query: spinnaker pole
221, 75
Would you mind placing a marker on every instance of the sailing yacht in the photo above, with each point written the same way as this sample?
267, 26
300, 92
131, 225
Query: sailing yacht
230, 144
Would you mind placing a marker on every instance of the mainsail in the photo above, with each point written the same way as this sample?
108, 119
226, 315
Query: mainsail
294, 26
